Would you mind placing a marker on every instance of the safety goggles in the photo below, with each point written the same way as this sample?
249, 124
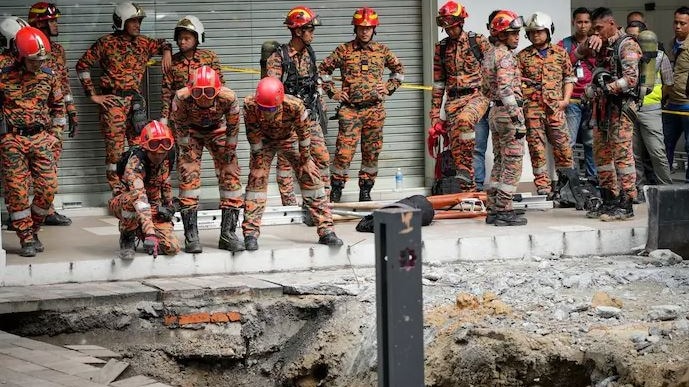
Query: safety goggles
156, 144
209, 92
267, 109
445, 21
516, 24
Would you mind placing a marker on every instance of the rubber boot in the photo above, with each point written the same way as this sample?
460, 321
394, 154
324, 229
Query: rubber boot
336, 191
491, 212
330, 239
37, 243
56, 219
28, 249
228, 238
250, 243
127, 244
192, 244
365, 187
623, 210
509, 218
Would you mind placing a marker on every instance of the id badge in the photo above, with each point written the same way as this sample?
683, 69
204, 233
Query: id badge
579, 71
364, 65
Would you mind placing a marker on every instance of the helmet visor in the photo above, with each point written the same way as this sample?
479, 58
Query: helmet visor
447, 21
209, 92
516, 24
268, 109
156, 144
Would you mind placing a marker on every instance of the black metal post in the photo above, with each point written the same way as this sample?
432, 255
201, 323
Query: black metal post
399, 300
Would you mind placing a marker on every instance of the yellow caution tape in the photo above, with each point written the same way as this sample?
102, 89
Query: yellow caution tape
675, 112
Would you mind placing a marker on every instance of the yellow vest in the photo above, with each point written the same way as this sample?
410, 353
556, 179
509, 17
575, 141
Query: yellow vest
657, 94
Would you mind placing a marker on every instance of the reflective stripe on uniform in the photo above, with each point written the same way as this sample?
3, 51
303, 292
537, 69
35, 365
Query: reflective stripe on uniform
438, 85
627, 170
231, 140
128, 214
69, 99
111, 167
398, 76
141, 206
326, 78
305, 143
183, 140
304, 115
506, 187
369, 169
467, 135
39, 211
325, 171
313, 193
84, 75
336, 171
230, 194
606, 167
189, 193
255, 195
256, 147
20, 214
60, 121
509, 101
542, 169
287, 173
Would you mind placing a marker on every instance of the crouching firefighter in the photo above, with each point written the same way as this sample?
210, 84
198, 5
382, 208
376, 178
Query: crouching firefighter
205, 113
614, 91
279, 123
145, 206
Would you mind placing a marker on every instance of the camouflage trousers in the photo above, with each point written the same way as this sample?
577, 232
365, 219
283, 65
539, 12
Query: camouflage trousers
321, 157
116, 128
507, 160
122, 206
309, 178
365, 124
57, 154
614, 155
190, 146
541, 124
462, 115
25, 159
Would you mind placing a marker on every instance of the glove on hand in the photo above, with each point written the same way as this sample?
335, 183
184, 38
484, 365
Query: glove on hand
151, 244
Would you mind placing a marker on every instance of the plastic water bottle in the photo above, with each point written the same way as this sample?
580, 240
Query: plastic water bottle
399, 180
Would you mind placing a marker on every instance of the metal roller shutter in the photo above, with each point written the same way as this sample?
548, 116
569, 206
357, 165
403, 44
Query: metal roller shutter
236, 30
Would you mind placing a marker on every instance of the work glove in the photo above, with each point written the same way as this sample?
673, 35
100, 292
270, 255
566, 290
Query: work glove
151, 244
166, 213
73, 124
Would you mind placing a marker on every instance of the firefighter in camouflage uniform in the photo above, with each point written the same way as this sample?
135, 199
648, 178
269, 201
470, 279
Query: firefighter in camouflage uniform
144, 205
44, 16
33, 109
189, 34
457, 74
279, 123
613, 90
548, 82
299, 75
362, 114
207, 114
122, 56
502, 85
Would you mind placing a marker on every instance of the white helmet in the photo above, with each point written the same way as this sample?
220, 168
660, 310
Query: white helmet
192, 24
9, 27
124, 12
540, 21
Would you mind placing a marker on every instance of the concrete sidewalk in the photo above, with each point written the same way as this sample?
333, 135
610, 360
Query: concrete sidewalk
87, 250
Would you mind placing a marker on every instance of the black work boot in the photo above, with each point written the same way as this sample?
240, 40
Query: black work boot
336, 191
330, 239
250, 243
623, 210
192, 244
509, 218
228, 238
56, 219
365, 187
608, 202
491, 216
127, 244
37, 243
28, 249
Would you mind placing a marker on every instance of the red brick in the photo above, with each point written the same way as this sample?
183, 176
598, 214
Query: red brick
194, 318
169, 319
219, 318
234, 316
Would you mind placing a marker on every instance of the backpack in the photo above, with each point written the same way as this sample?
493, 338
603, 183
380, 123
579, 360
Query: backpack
473, 44
141, 154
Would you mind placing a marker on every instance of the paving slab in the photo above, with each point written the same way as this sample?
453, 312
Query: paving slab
136, 381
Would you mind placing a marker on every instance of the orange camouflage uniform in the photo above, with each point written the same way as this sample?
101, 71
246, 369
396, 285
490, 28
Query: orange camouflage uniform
361, 118
136, 205
543, 82
301, 60
460, 78
217, 129
33, 109
286, 132
123, 61
181, 73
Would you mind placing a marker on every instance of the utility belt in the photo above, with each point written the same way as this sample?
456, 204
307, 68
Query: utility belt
361, 105
208, 128
457, 92
26, 130
120, 93
498, 102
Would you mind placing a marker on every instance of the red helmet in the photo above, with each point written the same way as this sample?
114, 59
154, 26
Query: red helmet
506, 20
156, 136
301, 16
451, 14
206, 82
32, 44
365, 17
43, 11
270, 93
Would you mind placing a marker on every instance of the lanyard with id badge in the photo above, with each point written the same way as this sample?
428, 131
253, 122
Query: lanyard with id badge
579, 70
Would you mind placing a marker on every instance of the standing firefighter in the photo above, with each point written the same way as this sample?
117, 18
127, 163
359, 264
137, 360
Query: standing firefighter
33, 109
295, 65
189, 34
144, 206
278, 123
122, 56
614, 90
44, 17
362, 114
548, 81
502, 85
207, 114
457, 74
